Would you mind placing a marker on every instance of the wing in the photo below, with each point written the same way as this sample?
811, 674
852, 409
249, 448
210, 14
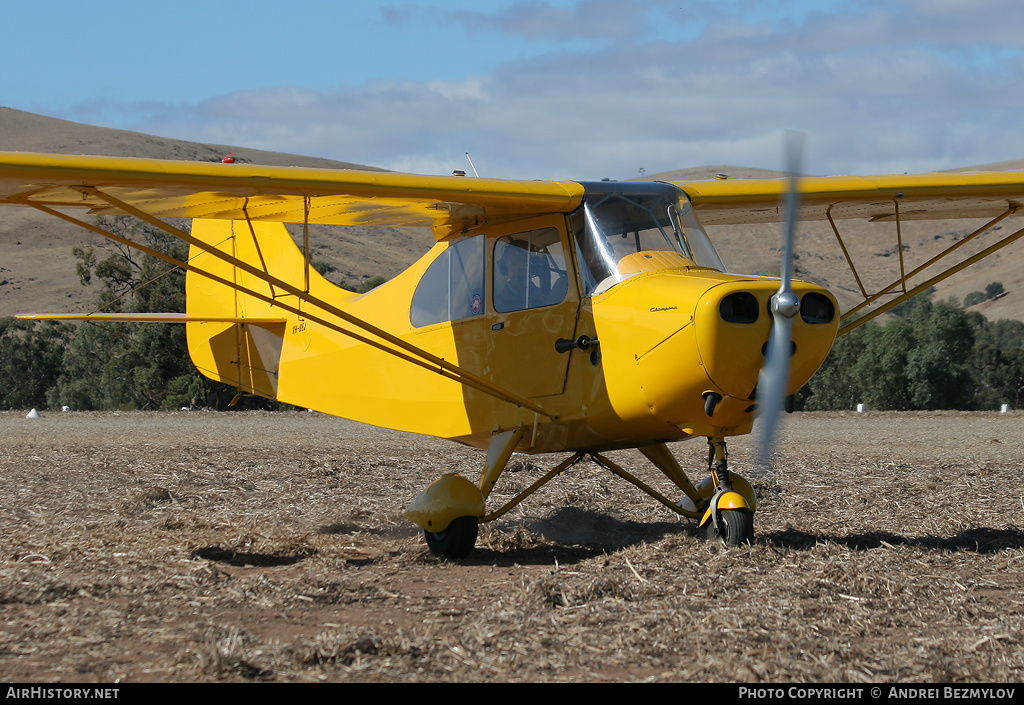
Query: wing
876, 198
896, 198
157, 190
176, 189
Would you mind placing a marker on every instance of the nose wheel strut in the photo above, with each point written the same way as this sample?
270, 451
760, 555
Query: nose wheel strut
731, 519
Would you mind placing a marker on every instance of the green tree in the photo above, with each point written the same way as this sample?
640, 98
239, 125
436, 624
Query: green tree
323, 267
1005, 334
938, 369
921, 361
882, 369
998, 364
364, 286
835, 387
868, 366
974, 298
31, 358
129, 365
994, 289
96, 369
906, 309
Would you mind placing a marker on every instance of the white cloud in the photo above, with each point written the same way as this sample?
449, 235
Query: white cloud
884, 89
616, 20
608, 19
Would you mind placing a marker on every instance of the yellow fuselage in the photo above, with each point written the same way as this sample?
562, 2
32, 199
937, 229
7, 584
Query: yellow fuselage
663, 344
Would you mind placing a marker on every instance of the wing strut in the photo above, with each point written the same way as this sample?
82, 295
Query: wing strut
405, 351
899, 241
942, 255
305, 237
934, 280
846, 253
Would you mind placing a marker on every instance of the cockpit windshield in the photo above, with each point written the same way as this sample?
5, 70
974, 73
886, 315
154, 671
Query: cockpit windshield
626, 228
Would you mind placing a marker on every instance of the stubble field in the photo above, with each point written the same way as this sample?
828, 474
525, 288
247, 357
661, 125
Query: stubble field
271, 547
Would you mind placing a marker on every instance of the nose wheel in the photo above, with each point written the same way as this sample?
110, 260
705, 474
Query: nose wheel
735, 527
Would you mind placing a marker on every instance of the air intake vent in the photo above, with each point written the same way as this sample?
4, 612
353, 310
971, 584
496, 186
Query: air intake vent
741, 307
816, 308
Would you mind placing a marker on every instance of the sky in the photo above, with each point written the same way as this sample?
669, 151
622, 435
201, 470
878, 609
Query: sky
539, 89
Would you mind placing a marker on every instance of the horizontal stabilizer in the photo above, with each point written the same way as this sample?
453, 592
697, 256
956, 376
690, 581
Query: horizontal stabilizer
144, 318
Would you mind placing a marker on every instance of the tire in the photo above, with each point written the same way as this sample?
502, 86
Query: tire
736, 527
456, 541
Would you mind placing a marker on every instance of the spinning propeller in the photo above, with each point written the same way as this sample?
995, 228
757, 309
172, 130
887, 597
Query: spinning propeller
785, 305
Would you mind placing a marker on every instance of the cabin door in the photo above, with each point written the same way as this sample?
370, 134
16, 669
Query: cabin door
534, 301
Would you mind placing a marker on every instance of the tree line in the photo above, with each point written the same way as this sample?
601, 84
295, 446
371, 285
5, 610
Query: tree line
929, 355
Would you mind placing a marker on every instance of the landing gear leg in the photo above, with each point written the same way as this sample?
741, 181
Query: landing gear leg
731, 514
450, 510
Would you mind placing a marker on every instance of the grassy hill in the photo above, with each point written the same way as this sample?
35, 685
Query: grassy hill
37, 269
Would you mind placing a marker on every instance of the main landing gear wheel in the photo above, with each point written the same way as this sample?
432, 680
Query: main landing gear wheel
735, 527
457, 540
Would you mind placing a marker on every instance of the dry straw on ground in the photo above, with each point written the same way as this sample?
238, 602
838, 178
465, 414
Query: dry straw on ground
271, 547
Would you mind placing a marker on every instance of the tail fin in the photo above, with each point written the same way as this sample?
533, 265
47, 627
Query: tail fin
242, 353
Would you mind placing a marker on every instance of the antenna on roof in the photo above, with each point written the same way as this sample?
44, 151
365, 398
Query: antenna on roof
471, 166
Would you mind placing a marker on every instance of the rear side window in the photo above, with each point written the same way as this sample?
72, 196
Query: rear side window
452, 288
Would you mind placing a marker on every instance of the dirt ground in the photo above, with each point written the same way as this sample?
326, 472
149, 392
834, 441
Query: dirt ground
271, 547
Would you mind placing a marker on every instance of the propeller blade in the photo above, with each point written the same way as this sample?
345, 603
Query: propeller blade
785, 305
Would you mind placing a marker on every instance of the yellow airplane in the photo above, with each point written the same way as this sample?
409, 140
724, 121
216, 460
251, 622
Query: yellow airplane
548, 317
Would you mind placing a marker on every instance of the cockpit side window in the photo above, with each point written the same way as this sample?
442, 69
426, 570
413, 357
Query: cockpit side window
529, 270
452, 288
